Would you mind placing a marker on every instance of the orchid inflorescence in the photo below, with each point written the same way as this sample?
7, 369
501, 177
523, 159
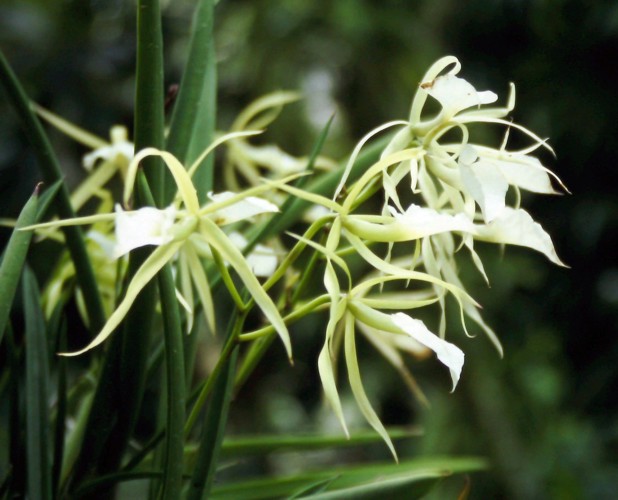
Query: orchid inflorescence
439, 190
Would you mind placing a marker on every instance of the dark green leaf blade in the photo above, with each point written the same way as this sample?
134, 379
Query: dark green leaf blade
14, 258
237, 446
50, 169
37, 375
348, 477
213, 431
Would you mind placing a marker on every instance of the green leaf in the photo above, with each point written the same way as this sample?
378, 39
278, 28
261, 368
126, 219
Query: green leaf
61, 411
175, 386
47, 198
318, 487
16, 474
50, 169
349, 477
213, 431
37, 395
406, 487
14, 258
233, 447
148, 121
196, 99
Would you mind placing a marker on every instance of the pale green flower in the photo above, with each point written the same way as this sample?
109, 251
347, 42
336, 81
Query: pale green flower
516, 227
182, 232
389, 332
456, 94
449, 354
119, 151
106, 159
146, 226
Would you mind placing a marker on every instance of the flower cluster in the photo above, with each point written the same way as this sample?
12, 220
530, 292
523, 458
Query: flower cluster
455, 190
440, 192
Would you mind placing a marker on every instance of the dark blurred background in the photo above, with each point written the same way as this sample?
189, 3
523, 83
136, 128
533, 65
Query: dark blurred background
545, 414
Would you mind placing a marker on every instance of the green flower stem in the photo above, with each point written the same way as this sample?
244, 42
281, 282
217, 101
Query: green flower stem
228, 281
263, 337
307, 274
50, 169
294, 253
326, 184
175, 385
302, 311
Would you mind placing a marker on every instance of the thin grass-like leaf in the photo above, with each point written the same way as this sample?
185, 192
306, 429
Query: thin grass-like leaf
16, 476
258, 445
50, 168
196, 96
347, 477
213, 431
61, 410
175, 387
149, 116
14, 258
405, 487
315, 488
37, 376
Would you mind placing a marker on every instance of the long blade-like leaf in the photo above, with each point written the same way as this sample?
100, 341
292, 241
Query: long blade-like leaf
238, 446
213, 431
175, 384
14, 258
348, 477
37, 375
50, 168
196, 99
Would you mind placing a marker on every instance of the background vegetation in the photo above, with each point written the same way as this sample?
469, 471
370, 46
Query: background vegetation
546, 414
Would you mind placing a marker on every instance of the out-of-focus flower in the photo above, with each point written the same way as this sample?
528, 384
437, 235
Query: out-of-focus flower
105, 160
253, 162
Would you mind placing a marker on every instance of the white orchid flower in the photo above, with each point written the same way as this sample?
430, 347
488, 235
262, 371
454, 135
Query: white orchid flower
484, 181
456, 94
252, 162
179, 232
516, 227
242, 209
449, 354
145, 226
119, 151
415, 223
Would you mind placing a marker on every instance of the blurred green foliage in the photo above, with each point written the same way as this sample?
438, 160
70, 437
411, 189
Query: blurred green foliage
546, 414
